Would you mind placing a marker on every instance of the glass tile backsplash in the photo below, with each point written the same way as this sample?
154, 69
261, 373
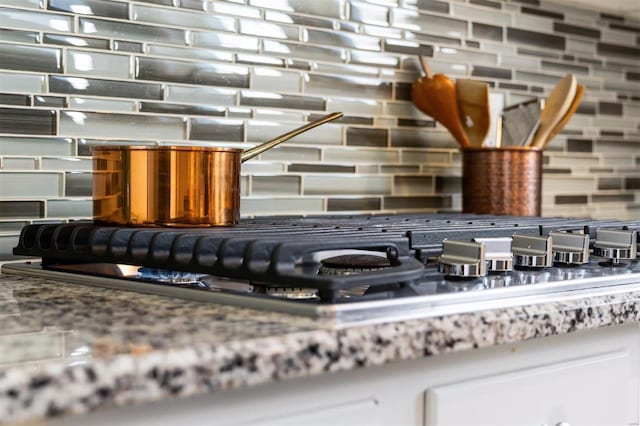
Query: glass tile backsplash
75, 73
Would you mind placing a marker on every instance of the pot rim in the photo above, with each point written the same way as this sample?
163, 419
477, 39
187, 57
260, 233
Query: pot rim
164, 148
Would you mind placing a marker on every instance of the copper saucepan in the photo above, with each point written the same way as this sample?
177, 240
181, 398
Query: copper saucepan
174, 185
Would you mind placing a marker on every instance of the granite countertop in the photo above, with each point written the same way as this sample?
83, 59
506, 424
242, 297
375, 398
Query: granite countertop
68, 348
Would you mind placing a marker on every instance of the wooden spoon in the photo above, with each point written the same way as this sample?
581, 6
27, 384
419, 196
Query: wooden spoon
572, 109
556, 106
435, 95
473, 103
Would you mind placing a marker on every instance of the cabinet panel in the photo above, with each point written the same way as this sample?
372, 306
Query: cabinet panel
591, 390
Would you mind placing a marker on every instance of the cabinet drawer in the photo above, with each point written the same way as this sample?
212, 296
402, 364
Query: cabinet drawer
591, 390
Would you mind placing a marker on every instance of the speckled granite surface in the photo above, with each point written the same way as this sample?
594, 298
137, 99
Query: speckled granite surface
67, 348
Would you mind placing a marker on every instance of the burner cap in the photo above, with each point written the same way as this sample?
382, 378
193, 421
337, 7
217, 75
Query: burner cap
352, 264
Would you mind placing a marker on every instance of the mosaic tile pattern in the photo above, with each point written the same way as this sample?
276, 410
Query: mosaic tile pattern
80, 72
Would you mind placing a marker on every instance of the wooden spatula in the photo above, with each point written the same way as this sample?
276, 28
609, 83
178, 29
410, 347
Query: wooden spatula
572, 109
556, 106
435, 95
473, 103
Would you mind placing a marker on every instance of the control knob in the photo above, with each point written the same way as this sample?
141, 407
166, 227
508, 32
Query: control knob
615, 245
497, 253
570, 249
462, 259
531, 251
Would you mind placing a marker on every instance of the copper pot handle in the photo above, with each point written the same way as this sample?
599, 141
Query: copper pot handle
257, 150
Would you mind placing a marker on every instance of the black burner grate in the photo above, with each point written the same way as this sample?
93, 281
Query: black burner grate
271, 249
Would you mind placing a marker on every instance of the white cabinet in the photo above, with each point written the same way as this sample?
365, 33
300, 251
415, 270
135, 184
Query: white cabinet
588, 377
591, 390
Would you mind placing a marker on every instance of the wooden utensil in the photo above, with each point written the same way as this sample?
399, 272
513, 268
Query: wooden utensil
572, 109
435, 95
473, 104
556, 106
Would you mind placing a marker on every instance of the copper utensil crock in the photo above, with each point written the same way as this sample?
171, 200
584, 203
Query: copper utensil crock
173, 185
506, 181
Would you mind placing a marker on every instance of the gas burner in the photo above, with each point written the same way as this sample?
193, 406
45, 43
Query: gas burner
349, 264
284, 292
171, 277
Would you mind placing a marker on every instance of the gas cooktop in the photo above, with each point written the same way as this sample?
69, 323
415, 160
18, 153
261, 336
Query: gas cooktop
347, 268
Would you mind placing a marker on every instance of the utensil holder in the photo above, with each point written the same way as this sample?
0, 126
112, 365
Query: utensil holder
502, 181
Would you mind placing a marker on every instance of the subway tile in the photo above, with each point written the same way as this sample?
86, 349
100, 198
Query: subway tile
366, 136
360, 155
408, 122
65, 164
374, 58
261, 131
70, 208
19, 100
232, 9
107, 88
561, 27
18, 145
618, 37
559, 184
109, 9
579, 145
426, 157
612, 146
243, 58
31, 4
264, 99
201, 95
426, 23
262, 167
202, 73
306, 21
609, 183
27, 121
268, 114
328, 8
533, 23
78, 184
263, 78
448, 184
632, 183
319, 168
417, 202
275, 185
610, 108
607, 49
483, 14
21, 209
346, 119
91, 104
541, 12
564, 67
291, 153
12, 226
71, 40
353, 204
482, 71
414, 138
539, 53
346, 185
408, 47
462, 55
335, 38
534, 38
225, 41
369, 13
269, 30
18, 36
167, 108
18, 163
485, 31
571, 199
612, 198
16, 184
280, 205
28, 58
191, 53
210, 129
487, 3
49, 101
396, 169
431, 5
295, 50
354, 106
346, 86
371, 169
131, 31
127, 46
37, 21
97, 64
125, 126
412, 185
432, 38
182, 18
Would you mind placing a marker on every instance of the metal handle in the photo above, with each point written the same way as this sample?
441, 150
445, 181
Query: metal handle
257, 150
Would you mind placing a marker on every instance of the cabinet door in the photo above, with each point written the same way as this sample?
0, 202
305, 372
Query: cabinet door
591, 390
